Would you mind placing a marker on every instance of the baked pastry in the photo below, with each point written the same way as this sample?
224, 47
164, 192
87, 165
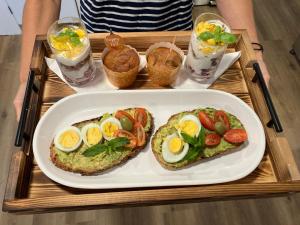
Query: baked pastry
164, 63
121, 62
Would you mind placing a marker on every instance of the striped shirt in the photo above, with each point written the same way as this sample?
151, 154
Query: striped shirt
136, 15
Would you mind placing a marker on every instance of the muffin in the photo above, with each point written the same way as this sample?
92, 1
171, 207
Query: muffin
164, 63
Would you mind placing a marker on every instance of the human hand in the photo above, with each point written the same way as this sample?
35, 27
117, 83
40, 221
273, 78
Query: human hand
18, 101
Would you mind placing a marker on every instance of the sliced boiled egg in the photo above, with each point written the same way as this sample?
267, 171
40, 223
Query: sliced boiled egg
91, 134
174, 149
109, 126
190, 125
68, 139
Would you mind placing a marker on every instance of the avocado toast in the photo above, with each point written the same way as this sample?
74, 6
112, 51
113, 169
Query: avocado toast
194, 135
107, 141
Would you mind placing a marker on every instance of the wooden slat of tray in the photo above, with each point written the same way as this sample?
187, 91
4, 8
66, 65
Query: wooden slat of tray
41, 186
42, 194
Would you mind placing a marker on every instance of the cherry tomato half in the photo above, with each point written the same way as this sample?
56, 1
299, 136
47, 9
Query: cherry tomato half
221, 116
139, 133
132, 139
212, 139
206, 121
140, 116
236, 136
120, 113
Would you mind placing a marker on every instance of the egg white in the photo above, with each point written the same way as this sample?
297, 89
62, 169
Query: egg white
170, 157
60, 147
85, 129
192, 118
112, 120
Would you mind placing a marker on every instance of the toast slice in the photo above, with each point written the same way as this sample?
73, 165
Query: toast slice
206, 152
76, 162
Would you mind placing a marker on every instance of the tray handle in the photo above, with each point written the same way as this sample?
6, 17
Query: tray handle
25, 108
274, 117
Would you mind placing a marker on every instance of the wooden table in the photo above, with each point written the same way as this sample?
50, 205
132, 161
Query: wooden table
28, 190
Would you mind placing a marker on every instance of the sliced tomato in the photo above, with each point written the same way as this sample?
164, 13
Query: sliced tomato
120, 113
130, 136
206, 121
141, 116
212, 139
221, 116
139, 133
236, 136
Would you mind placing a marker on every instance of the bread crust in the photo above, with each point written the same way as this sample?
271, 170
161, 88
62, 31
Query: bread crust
58, 163
176, 166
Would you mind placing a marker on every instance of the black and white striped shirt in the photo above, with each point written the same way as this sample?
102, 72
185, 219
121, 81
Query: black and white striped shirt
136, 15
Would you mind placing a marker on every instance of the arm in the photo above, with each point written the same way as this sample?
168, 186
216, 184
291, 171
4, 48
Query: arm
37, 17
239, 15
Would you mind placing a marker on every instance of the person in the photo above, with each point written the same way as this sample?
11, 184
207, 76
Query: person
126, 15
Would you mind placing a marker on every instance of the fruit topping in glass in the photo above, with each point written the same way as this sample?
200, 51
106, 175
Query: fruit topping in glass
212, 35
69, 41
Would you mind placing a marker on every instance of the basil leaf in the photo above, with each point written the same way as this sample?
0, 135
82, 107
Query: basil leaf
204, 36
188, 139
75, 41
95, 150
201, 138
228, 38
218, 37
71, 33
118, 142
218, 30
192, 154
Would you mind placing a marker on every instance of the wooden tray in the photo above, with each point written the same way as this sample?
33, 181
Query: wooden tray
28, 190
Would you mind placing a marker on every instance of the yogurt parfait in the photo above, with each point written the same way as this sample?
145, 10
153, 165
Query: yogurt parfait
70, 44
209, 41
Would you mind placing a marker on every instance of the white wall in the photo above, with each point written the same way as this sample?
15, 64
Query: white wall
10, 24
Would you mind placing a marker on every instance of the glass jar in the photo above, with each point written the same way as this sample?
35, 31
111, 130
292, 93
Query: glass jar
204, 57
70, 45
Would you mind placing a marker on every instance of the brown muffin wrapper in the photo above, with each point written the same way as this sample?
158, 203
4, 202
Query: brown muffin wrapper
163, 77
120, 79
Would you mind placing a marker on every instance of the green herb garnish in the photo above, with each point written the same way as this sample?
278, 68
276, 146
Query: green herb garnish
68, 35
218, 35
204, 36
115, 144
196, 145
228, 38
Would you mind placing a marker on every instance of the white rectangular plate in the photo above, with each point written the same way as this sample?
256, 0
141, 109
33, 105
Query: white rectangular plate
144, 170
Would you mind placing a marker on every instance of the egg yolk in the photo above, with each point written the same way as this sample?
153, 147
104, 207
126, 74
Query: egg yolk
109, 129
189, 127
175, 145
93, 136
68, 139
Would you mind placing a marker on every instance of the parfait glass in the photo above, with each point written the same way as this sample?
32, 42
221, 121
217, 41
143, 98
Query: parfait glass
204, 57
70, 45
